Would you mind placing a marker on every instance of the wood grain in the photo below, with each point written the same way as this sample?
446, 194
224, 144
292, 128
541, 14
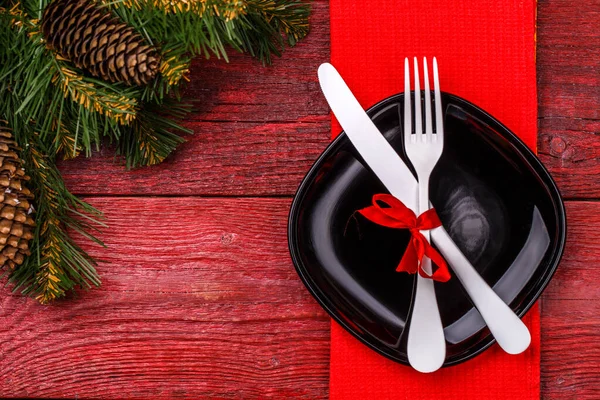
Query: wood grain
223, 158
199, 299
201, 303
257, 130
570, 359
568, 66
577, 278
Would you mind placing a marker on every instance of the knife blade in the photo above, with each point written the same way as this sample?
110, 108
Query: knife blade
366, 138
506, 327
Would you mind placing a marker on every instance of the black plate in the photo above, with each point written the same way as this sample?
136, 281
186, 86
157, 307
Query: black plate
494, 197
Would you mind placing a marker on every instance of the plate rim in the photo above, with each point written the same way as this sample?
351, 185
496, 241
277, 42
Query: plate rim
530, 157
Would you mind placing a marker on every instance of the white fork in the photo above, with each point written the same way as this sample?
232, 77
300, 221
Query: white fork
426, 344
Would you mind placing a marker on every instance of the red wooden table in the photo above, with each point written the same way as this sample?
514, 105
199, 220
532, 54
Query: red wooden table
199, 295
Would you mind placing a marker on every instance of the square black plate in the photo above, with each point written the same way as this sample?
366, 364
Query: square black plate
494, 197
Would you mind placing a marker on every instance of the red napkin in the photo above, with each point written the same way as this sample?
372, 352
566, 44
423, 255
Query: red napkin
486, 54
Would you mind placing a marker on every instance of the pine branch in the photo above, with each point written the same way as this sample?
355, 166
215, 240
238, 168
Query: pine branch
228, 9
207, 26
30, 102
174, 67
266, 21
94, 96
56, 109
153, 136
66, 144
33, 8
57, 264
97, 109
189, 31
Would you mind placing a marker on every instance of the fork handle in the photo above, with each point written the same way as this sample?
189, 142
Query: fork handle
426, 347
509, 331
424, 206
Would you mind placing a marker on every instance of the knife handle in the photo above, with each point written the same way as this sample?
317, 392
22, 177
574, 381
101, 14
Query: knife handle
509, 331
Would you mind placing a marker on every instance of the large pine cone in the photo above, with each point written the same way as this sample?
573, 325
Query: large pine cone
97, 42
16, 222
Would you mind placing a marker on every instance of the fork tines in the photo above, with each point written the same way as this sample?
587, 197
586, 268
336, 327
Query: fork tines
429, 133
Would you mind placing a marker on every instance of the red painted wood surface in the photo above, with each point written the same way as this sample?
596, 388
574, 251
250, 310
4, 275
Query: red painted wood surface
192, 305
257, 129
568, 60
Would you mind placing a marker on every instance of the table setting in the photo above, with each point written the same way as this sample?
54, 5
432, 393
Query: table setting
402, 206
430, 35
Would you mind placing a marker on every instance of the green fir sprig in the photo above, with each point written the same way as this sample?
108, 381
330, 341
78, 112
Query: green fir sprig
56, 110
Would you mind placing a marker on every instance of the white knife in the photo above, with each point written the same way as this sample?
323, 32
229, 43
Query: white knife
509, 331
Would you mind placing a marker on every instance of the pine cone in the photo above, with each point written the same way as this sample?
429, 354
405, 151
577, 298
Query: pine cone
16, 221
97, 42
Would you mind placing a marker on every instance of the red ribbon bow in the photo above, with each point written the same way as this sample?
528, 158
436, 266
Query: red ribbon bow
397, 215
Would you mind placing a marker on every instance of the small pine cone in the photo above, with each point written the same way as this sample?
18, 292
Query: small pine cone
97, 42
16, 211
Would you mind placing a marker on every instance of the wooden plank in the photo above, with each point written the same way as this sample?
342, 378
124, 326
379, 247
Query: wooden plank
200, 299
225, 158
257, 129
568, 66
570, 359
576, 278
